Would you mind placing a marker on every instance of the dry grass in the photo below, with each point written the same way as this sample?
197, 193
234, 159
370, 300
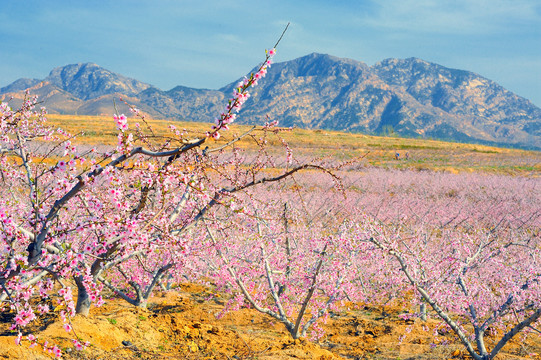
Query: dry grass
379, 150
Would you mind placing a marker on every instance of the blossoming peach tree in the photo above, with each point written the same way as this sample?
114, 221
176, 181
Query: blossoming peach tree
119, 219
279, 259
479, 276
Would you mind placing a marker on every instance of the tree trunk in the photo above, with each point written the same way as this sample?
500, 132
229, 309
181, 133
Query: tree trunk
83, 299
423, 311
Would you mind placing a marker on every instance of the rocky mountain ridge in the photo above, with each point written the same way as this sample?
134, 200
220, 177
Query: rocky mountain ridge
408, 97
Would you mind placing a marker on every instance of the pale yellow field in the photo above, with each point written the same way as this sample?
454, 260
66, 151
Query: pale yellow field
376, 150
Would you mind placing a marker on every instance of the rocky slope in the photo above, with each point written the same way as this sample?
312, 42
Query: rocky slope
409, 97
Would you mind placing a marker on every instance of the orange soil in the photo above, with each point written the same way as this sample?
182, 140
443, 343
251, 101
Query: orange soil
183, 325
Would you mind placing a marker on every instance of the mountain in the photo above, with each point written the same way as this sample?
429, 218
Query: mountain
409, 97
185, 103
90, 81
467, 105
19, 85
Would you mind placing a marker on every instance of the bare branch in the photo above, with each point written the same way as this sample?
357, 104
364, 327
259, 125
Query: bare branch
310, 293
456, 328
515, 330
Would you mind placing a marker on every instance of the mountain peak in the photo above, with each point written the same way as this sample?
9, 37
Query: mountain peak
328, 59
89, 81
63, 74
19, 85
324, 65
86, 65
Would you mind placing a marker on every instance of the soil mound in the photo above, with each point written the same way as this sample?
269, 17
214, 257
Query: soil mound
186, 324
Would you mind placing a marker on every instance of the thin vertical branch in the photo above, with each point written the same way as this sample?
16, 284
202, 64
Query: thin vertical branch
310, 292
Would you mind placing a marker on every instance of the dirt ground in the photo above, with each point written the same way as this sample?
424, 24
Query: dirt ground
182, 324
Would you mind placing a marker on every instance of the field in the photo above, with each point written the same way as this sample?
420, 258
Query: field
376, 150
325, 263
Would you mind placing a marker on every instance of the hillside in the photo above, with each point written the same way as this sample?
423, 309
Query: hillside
378, 151
409, 97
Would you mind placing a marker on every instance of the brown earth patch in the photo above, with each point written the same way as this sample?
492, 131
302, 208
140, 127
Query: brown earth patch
182, 324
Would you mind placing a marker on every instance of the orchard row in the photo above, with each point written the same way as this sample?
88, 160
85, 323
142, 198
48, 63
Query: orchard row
293, 240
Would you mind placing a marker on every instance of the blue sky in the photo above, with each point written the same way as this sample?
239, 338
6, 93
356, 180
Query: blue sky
210, 43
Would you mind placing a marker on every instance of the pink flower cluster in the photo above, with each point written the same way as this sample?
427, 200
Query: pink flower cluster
240, 95
24, 317
55, 350
80, 346
5, 112
121, 122
3, 214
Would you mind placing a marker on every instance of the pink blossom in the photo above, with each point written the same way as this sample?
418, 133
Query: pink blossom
67, 327
121, 122
78, 345
43, 309
32, 340
24, 317
61, 165
57, 352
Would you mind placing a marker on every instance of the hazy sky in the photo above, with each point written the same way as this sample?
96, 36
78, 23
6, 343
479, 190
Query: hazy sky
210, 43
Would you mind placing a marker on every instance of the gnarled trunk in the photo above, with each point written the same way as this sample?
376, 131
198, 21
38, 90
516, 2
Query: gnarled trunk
83, 298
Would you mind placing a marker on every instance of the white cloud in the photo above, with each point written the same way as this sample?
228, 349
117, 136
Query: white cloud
455, 17
230, 38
